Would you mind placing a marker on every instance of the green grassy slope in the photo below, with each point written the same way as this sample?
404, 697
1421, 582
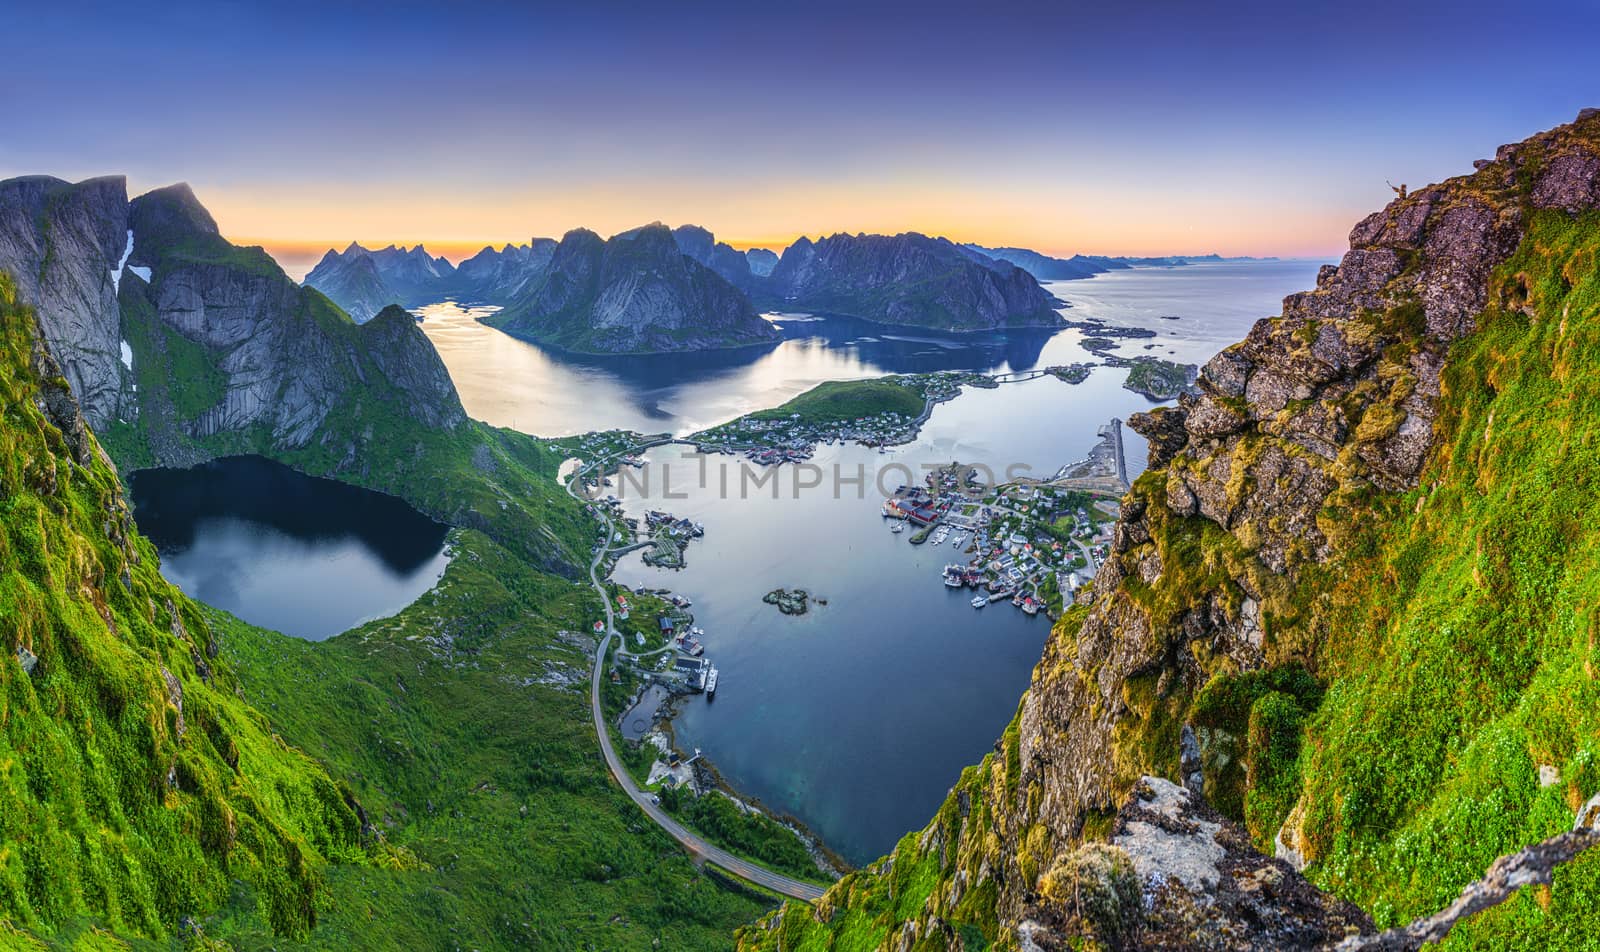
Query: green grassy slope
467, 474
840, 401
136, 788
1450, 652
439, 719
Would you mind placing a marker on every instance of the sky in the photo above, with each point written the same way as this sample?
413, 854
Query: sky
1139, 127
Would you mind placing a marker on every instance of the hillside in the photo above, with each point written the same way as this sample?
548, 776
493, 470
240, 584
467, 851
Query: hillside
136, 789
462, 724
907, 279
1350, 603
838, 401
213, 351
637, 292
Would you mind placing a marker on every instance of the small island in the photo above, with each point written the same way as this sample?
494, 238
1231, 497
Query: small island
789, 601
883, 411
1156, 378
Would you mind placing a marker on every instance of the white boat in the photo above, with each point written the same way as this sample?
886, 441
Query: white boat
711, 680
898, 527
979, 601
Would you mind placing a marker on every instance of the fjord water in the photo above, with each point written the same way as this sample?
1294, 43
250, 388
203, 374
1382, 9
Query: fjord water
516, 384
309, 557
857, 717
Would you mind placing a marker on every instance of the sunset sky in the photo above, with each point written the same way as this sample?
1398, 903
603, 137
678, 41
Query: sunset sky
1132, 128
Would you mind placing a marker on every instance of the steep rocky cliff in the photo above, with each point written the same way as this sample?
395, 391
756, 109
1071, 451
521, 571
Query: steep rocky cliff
137, 789
1350, 605
907, 279
213, 351
635, 293
284, 356
65, 245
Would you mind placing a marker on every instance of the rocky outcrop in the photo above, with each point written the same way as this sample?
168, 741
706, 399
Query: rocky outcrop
1227, 569
908, 279
1176, 875
636, 293
65, 244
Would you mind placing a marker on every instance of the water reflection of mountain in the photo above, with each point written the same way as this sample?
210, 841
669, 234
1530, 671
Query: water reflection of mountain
883, 348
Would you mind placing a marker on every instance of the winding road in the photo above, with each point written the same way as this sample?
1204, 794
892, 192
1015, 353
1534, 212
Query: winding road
698, 848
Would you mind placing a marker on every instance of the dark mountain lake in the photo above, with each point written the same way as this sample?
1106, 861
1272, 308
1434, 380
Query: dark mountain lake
309, 557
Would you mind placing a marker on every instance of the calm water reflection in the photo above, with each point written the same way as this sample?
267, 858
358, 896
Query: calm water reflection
309, 557
858, 717
513, 383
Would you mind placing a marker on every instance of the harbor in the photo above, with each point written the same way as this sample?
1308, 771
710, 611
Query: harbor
1034, 543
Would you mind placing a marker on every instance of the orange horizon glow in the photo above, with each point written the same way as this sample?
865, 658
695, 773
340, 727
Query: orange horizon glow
1059, 219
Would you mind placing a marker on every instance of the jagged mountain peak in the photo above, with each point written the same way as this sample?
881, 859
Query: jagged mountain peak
174, 208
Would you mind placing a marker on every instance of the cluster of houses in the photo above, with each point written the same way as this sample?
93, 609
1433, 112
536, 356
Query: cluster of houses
769, 440
1011, 542
794, 439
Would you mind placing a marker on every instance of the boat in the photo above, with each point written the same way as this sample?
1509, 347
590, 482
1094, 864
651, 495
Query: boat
697, 631
898, 527
978, 601
952, 576
711, 681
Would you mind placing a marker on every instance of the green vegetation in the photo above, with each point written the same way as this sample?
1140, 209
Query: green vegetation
1478, 663
754, 835
470, 475
463, 726
1436, 705
1156, 378
843, 401
136, 788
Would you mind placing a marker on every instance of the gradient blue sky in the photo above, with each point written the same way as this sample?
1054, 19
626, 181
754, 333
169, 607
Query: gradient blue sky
1124, 128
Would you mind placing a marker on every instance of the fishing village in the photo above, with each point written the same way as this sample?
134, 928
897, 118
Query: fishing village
1034, 543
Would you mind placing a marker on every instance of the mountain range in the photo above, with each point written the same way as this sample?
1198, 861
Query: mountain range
186, 347
907, 279
637, 292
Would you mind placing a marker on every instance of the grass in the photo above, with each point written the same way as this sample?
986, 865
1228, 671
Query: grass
844, 401
136, 788
1426, 675
440, 720
377, 434
752, 835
